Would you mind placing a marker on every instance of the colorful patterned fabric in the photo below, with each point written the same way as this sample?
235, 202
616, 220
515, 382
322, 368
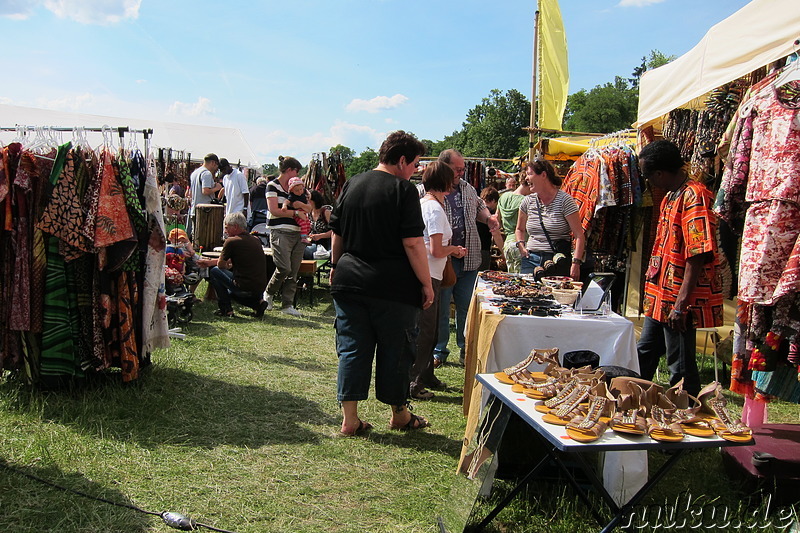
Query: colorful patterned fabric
770, 256
63, 216
775, 158
583, 184
687, 228
20, 317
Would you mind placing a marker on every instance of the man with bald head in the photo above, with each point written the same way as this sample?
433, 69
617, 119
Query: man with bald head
464, 209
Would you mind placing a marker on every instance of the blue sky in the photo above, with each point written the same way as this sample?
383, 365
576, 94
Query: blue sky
299, 76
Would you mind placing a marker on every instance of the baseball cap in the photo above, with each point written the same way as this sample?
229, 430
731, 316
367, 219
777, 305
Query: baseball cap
295, 181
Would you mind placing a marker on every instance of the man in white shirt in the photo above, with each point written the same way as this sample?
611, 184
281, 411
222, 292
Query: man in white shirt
234, 186
202, 186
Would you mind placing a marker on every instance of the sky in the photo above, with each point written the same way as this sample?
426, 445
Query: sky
297, 77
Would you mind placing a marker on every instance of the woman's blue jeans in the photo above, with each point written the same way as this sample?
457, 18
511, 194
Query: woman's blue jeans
369, 328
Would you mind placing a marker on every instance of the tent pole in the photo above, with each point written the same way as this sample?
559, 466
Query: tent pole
532, 136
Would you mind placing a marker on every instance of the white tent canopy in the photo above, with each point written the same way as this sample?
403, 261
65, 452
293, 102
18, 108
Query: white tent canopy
197, 140
761, 32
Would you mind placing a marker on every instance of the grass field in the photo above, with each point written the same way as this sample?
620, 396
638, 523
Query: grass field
236, 426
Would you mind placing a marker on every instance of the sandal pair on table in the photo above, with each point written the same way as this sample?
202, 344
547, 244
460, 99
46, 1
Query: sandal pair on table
580, 400
575, 398
643, 407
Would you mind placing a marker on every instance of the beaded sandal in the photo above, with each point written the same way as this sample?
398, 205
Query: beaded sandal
715, 412
688, 417
591, 427
569, 409
546, 405
662, 427
725, 425
629, 417
519, 371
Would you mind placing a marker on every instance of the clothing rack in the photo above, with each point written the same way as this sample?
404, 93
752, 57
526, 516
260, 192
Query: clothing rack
618, 138
78, 131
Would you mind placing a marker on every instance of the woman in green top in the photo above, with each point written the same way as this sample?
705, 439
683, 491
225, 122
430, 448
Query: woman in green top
507, 213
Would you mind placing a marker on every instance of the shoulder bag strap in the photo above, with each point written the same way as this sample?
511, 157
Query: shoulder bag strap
541, 221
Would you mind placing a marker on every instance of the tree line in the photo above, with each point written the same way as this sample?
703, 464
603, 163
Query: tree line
494, 127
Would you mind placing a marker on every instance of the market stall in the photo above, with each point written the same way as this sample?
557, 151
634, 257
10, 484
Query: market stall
496, 340
731, 105
731, 99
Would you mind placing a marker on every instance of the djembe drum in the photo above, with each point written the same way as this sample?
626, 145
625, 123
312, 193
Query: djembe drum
208, 229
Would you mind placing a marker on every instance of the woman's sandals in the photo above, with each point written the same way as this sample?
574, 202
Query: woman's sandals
630, 417
591, 427
714, 409
686, 412
519, 372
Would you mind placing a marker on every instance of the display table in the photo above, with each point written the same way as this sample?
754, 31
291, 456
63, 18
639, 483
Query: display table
558, 443
496, 341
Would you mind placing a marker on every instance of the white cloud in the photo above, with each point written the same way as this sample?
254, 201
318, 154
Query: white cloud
95, 11
379, 103
17, 9
269, 145
638, 3
198, 109
72, 103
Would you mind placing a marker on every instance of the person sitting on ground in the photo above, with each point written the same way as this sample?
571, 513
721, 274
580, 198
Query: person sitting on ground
240, 273
320, 235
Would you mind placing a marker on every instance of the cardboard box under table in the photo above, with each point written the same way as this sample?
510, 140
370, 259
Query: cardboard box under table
559, 445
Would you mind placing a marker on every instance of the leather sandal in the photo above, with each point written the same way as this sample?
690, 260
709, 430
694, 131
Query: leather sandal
630, 414
519, 371
661, 426
725, 425
687, 409
546, 405
506, 376
569, 409
538, 390
714, 410
591, 427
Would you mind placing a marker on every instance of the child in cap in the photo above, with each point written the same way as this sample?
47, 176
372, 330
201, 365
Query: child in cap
297, 196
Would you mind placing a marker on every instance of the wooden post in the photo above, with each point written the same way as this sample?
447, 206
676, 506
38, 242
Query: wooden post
532, 136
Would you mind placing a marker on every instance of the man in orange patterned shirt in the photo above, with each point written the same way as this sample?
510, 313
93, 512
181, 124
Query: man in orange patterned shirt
682, 287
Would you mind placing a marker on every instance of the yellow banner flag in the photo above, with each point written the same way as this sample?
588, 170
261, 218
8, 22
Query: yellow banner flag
553, 75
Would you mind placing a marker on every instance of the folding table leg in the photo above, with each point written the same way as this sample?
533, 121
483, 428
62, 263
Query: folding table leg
628, 507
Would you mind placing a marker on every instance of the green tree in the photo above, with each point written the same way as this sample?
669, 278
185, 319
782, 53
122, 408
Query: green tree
654, 60
606, 108
493, 128
347, 153
366, 160
269, 169
611, 106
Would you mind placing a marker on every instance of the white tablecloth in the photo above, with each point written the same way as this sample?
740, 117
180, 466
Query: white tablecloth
611, 337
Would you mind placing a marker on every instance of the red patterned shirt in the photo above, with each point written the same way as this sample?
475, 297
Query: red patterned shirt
687, 228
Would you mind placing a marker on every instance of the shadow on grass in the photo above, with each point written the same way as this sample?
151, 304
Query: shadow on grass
65, 511
174, 407
302, 364
420, 440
